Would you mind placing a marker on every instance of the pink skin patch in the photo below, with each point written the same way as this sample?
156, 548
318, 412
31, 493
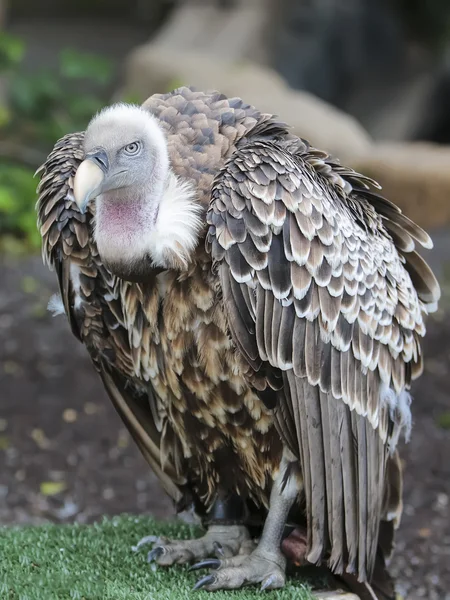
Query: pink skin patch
294, 546
122, 222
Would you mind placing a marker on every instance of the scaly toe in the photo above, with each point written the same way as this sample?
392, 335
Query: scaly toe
233, 573
220, 542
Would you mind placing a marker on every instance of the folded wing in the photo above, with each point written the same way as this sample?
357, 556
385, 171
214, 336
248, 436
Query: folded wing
325, 296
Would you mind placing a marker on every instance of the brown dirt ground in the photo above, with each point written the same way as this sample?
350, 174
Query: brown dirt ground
56, 425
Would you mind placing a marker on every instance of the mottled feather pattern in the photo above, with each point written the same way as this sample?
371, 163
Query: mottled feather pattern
342, 266
340, 297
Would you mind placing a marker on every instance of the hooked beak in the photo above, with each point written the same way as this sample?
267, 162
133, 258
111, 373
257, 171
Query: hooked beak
89, 178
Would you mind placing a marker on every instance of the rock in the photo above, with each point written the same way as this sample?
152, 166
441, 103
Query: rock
151, 69
233, 30
416, 176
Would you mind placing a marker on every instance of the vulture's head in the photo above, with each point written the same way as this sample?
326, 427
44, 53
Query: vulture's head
145, 217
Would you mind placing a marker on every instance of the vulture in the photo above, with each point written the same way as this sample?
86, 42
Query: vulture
255, 311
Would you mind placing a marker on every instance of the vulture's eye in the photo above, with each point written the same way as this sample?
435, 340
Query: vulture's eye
132, 148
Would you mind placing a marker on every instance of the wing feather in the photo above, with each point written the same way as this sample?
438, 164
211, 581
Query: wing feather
339, 296
336, 485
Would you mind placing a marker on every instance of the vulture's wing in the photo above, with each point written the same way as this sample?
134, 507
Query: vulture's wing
95, 308
325, 296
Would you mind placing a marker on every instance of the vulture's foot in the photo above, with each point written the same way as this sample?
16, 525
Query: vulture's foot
220, 541
266, 565
260, 567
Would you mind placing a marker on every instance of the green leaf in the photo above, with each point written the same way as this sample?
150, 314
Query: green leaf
23, 95
28, 226
133, 98
29, 284
443, 420
174, 84
12, 48
12, 245
76, 65
7, 200
82, 109
36, 97
5, 115
51, 488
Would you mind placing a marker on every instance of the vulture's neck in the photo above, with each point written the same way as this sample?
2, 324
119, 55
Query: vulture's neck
138, 230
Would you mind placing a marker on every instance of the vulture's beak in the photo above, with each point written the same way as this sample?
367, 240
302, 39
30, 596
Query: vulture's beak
89, 178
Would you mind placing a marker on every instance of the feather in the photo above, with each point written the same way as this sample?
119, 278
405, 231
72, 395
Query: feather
422, 277
242, 323
299, 244
299, 347
328, 458
350, 486
240, 268
329, 308
279, 271
297, 393
335, 485
403, 222
359, 431
401, 238
260, 312
301, 280
285, 418
266, 325
315, 445
312, 352
284, 352
254, 225
255, 259
277, 314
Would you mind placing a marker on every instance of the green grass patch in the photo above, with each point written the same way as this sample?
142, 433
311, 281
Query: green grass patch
443, 420
96, 562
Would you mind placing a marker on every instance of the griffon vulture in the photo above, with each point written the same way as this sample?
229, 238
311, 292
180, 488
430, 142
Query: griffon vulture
255, 311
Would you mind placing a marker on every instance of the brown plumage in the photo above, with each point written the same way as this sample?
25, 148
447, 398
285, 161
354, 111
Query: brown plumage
294, 326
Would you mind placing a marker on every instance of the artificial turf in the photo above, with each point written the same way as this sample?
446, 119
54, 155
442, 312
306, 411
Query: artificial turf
96, 562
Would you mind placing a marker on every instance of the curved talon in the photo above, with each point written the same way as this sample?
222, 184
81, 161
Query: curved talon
268, 582
218, 549
212, 563
155, 553
149, 539
207, 580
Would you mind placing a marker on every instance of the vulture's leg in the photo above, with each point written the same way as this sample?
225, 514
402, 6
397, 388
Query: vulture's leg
225, 536
266, 564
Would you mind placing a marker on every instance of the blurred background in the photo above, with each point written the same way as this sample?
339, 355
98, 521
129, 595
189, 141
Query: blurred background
368, 80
